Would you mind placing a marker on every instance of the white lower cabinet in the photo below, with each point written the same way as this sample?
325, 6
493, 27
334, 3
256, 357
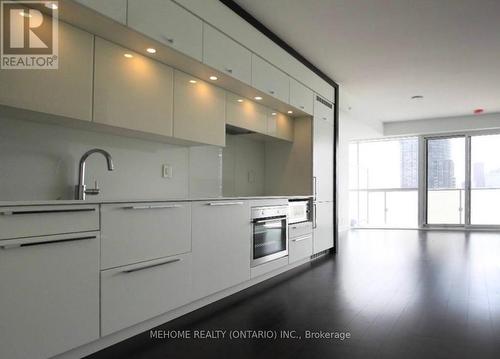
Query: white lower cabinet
134, 293
221, 245
300, 241
49, 294
323, 231
135, 232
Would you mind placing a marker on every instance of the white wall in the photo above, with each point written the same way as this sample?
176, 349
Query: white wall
40, 162
442, 125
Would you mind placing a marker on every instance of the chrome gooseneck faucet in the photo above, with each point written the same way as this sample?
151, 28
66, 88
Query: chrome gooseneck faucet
81, 190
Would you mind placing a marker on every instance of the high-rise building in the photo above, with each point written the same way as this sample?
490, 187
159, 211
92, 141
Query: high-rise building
409, 162
441, 168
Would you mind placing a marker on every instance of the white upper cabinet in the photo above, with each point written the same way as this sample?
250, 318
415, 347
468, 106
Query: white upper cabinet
226, 55
323, 142
243, 113
323, 109
167, 22
66, 91
280, 126
115, 9
301, 97
135, 92
199, 110
269, 79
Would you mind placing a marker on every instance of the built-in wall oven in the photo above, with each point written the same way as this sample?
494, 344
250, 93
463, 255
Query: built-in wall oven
270, 233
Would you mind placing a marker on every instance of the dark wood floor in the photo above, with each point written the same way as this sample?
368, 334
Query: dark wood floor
401, 294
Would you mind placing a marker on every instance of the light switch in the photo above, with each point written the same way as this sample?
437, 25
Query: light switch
167, 171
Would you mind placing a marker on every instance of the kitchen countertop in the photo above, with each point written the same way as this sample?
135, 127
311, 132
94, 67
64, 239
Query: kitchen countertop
110, 201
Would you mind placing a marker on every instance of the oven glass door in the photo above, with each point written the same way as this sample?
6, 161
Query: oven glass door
269, 239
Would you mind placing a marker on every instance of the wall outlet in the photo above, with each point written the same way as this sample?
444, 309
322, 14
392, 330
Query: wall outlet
167, 171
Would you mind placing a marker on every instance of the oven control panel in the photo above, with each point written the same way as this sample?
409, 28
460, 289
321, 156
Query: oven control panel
267, 212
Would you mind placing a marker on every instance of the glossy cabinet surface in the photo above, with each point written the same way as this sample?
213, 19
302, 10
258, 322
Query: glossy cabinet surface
323, 231
301, 97
135, 232
167, 22
323, 144
29, 221
49, 294
134, 93
135, 293
199, 110
280, 126
66, 91
115, 9
226, 55
221, 245
246, 114
269, 79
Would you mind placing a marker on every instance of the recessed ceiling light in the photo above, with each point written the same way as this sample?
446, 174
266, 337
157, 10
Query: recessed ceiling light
290, 112
273, 113
240, 100
128, 56
417, 97
258, 98
151, 50
25, 14
192, 81
51, 5
213, 78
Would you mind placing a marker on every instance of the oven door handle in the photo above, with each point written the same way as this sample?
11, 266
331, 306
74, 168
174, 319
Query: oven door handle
275, 219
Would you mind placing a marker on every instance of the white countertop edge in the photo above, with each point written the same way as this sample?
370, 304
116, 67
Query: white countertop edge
111, 201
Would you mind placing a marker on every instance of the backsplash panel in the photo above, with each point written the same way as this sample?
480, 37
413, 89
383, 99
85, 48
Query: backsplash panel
40, 162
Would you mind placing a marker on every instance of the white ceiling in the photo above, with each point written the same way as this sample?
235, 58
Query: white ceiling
382, 52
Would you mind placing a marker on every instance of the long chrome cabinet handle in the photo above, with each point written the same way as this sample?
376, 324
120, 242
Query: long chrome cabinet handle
16, 244
43, 211
153, 206
151, 266
315, 224
225, 203
274, 219
315, 186
298, 239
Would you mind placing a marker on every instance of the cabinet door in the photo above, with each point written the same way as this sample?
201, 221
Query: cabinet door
221, 245
300, 247
132, 92
167, 22
269, 79
243, 113
323, 109
66, 91
199, 110
301, 97
136, 232
226, 55
323, 231
322, 160
280, 126
135, 293
115, 9
49, 294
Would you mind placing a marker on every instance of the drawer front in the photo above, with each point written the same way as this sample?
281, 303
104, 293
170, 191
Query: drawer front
31, 221
226, 55
269, 79
301, 97
300, 247
299, 229
49, 294
135, 293
137, 232
167, 22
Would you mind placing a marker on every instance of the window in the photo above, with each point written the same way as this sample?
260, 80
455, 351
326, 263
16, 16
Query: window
383, 180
